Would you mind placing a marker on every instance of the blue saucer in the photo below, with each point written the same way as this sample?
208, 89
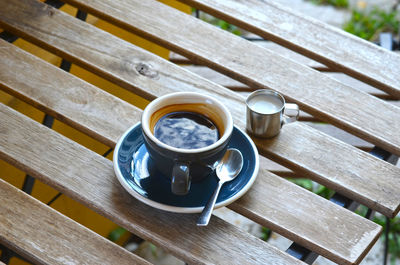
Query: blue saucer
137, 174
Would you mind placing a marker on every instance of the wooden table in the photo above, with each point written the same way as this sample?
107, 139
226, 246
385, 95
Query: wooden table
43, 235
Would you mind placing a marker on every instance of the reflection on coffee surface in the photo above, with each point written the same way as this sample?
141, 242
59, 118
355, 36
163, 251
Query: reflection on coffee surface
187, 130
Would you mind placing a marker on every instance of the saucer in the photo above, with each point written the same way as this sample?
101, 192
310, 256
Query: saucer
137, 174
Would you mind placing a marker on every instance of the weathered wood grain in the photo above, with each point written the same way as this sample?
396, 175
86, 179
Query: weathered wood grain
303, 234
319, 95
44, 236
272, 46
174, 79
89, 178
324, 43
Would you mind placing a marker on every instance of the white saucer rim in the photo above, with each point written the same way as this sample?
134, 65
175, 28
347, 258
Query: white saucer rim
177, 209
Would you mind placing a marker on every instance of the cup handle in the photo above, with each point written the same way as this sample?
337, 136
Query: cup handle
291, 118
180, 182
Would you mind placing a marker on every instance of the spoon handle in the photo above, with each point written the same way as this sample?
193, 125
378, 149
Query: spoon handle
206, 213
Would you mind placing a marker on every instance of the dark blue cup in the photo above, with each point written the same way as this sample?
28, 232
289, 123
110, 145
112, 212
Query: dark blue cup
181, 165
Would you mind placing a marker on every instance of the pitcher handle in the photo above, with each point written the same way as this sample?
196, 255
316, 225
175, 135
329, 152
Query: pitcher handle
291, 118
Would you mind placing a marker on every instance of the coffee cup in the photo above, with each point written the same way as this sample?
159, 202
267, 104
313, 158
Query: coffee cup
266, 113
186, 134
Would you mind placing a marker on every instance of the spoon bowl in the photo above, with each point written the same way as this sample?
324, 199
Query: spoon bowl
230, 165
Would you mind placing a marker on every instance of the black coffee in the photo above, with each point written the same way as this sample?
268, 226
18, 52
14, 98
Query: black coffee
187, 130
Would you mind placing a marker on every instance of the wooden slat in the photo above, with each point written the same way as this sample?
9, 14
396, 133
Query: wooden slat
230, 83
319, 95
176, 58
75, 40
218, 78
324, 43
305, 117
89, 178
284, 218
44, 236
